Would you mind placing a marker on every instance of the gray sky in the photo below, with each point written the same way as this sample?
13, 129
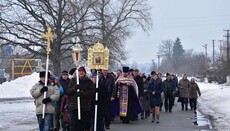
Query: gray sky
195, 22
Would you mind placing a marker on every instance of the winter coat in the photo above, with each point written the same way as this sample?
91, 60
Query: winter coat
52, 93
175, 81
103, 99
145, 101
139, 82
155, 86
109, 83
64, 83
193, 90
184, 88
169, 87
87, 90
64, 108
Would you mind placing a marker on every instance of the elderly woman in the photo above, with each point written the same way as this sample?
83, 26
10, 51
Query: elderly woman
184, 86
193, 90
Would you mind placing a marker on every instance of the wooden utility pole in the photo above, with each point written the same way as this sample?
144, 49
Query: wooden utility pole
221, 47
206, 51
158, 62
227, 36
213, 53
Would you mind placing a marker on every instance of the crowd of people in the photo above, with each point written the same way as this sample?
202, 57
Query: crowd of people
126, 94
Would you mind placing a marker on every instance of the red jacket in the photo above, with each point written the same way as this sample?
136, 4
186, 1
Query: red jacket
63, 108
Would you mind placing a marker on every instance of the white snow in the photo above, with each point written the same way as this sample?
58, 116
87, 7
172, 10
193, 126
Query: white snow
214, 100
19, 87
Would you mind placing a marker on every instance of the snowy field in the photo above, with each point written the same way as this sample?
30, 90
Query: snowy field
214, 101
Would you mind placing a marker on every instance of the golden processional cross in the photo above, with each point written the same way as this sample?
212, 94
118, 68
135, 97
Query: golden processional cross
49, 36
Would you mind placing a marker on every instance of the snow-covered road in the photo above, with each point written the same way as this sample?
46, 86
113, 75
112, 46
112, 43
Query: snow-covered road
20, 113
17, 114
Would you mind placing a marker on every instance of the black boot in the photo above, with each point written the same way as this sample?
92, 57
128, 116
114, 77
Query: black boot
153, 118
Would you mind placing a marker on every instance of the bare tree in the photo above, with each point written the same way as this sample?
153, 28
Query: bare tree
22, 22
116, 21
166, 49
153, 66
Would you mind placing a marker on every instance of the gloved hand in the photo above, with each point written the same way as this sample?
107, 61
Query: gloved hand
62, 115
44, 88
78, 94
76, 87
46, 100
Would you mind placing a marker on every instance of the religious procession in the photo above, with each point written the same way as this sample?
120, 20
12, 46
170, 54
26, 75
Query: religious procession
81, 100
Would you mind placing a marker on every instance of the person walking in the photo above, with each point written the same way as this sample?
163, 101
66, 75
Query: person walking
168, 88
52, 94
86, 93
128, 102
107, 82
139, 80
155, 89
193, 91
184, 85
145, 101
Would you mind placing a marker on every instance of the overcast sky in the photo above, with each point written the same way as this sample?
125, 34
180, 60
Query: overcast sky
195, 22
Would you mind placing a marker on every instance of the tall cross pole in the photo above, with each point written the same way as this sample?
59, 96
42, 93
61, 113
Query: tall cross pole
48, 36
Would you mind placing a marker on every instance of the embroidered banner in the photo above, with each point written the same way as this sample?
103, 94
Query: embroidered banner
123, 100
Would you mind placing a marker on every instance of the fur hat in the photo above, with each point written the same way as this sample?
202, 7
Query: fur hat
43, 74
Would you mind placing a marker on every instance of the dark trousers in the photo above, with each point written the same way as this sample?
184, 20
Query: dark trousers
184, 103
65, 126
57, 118
100, 124
80, 125
108, 114
193, 103
168, 102
45, 124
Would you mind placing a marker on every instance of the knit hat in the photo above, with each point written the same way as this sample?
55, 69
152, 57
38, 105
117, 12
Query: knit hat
131, 70
94, 75
82, 68
153, 72
167, 74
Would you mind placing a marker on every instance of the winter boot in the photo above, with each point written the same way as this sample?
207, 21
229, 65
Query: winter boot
153, 119
158, 117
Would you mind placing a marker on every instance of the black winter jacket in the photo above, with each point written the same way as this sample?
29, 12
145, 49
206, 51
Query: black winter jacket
87, 91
